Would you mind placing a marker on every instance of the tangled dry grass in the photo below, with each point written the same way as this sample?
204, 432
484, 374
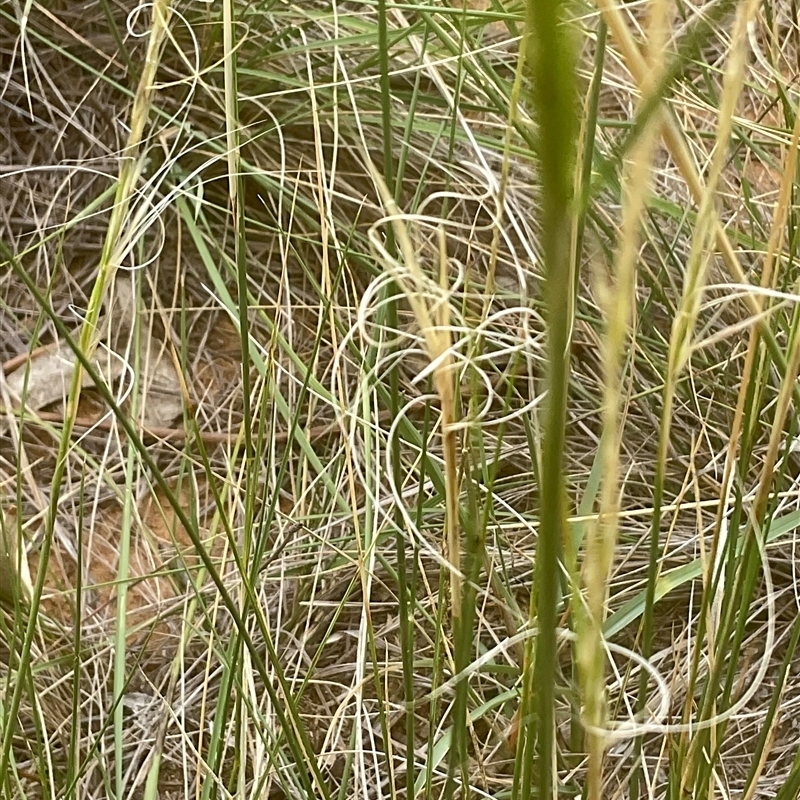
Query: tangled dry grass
299, 517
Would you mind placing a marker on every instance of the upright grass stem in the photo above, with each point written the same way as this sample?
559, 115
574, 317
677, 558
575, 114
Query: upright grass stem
404, 591
281, 698
620, 301
549, 53
114, 249
689, 304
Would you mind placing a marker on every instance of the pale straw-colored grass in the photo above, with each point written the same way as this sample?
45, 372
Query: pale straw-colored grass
325, 576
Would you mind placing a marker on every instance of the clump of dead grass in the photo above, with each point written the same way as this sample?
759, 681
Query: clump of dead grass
314, 511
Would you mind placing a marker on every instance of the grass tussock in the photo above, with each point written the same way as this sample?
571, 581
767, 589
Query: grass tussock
398, 401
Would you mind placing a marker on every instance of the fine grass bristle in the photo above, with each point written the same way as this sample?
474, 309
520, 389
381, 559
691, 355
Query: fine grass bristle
398, 401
